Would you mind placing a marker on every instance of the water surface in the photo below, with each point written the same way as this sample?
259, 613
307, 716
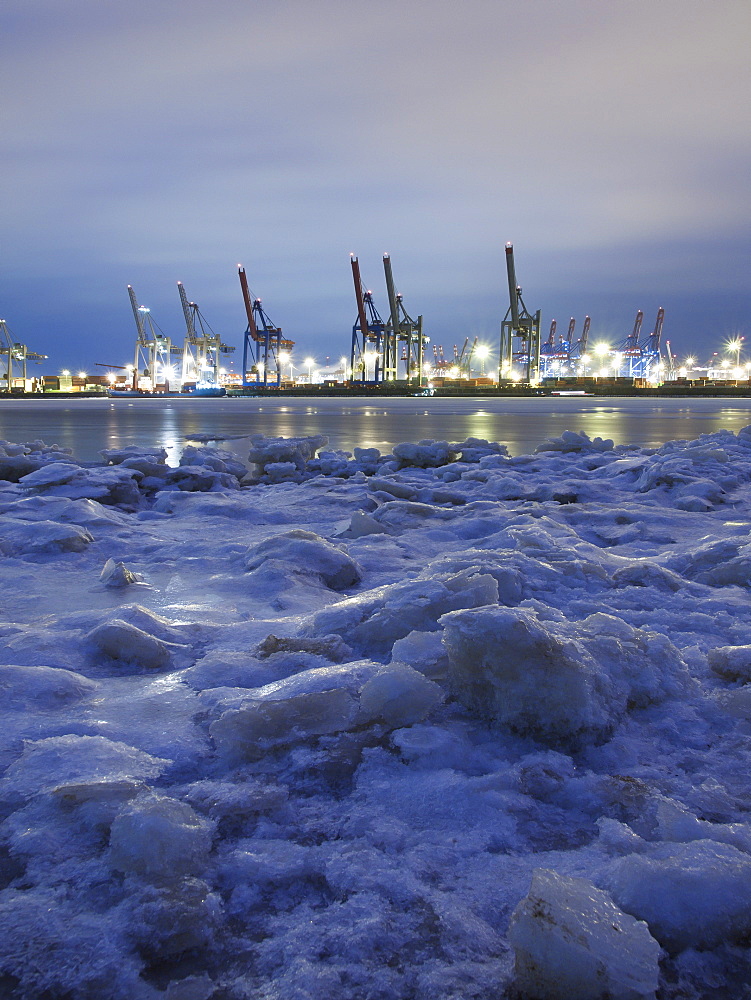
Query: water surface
89, 425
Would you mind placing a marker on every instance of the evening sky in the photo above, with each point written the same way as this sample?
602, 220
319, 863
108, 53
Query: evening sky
150, 142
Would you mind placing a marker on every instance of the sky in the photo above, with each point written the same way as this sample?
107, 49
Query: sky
147, 143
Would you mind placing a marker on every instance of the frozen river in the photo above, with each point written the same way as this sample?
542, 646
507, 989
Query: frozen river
88, 425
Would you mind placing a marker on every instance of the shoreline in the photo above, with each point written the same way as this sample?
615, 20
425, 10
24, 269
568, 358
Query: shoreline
439, 392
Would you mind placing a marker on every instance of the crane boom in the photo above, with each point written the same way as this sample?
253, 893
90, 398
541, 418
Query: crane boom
658, 327
187, 313
359, 296
512, 286
137, 314
585, 335
252, 329
391, 291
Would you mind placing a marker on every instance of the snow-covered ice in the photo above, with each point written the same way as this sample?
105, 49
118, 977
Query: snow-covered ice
444, 723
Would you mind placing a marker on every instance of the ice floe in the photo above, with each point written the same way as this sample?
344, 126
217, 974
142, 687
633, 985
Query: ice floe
437, 723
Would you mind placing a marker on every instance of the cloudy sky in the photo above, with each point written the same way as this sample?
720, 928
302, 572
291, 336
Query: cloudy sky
150, 141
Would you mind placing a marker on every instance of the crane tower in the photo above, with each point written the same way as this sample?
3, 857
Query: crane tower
201, 347
263, 344
152, 349
13, 358
403, 330
520, 330
370, 338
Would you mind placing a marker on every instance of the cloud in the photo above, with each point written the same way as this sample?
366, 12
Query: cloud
155, 141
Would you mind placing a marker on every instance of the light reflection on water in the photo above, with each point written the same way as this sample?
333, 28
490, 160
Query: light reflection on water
89, 425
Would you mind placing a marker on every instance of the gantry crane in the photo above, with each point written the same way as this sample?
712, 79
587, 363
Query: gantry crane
557, 355
369, 330
201, 349
263, 344
578, 350
152, 350
631, 349
651, 346
13, 358
403, 329
520, 330
643, 356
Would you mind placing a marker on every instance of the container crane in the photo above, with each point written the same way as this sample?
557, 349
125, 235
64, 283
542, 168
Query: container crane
263, 343
16, 356
520, 330
578, 352
201, 347
403, 329
557, 354
368, 330
152, 347
547, 350
651, 346
631, 349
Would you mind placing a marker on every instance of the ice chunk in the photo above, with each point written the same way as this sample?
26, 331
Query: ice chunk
577, 442
363, 524
243, 733
267, 451
694, 895
58, 760
423, 651
370, 623
53, 474
571, 942
115, 456
200, 478
307, 553
116, 574
30, 687
676, 823
312, 703
425, 454
399, 696
643, 573
732, 663
22, 538
158, 835
129, 644
507, 666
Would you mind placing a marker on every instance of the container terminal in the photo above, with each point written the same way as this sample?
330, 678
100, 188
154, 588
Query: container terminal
387, 357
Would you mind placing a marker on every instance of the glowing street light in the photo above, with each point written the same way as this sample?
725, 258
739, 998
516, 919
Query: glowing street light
482, 353
369, 357
285, 358
309, 362
734, 347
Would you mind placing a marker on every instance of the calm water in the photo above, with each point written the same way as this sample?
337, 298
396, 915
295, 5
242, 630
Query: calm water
88, 425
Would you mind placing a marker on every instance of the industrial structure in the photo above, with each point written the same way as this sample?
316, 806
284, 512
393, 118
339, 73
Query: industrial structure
520, 331
264, 349
202, 348
383, 351
13, 359
157, 360
634, 357
383, 344
153, 354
